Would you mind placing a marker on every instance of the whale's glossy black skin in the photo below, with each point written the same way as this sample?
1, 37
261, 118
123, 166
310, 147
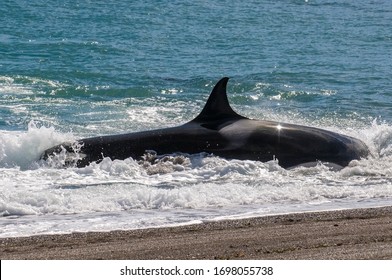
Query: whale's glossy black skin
222, 132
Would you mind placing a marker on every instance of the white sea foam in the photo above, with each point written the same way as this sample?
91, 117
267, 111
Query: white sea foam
23, 149
25, 85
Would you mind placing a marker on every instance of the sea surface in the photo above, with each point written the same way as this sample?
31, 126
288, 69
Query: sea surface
71, 69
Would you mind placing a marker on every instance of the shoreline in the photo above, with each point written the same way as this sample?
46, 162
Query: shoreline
364, 233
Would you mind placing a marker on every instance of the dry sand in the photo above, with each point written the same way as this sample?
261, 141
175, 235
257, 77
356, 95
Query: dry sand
346, 234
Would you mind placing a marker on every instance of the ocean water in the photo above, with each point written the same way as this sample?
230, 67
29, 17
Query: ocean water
74, 69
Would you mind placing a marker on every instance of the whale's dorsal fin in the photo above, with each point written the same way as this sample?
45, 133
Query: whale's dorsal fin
217, 106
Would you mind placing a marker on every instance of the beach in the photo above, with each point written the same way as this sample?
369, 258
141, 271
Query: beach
343, 234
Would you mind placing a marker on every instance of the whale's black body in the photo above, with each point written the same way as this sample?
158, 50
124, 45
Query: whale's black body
221, 131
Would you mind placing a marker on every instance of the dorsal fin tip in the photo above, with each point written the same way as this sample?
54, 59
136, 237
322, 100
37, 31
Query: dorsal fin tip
217, 106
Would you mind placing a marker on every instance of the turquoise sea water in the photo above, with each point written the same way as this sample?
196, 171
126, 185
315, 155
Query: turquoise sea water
73, 69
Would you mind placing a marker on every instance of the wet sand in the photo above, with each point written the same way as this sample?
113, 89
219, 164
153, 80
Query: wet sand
345, 234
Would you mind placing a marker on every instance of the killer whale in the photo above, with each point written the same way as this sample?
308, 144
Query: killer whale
220, 131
